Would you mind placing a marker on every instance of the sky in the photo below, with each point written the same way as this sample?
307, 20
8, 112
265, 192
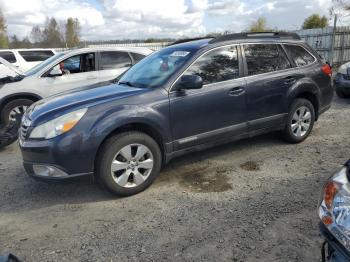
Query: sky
140, 19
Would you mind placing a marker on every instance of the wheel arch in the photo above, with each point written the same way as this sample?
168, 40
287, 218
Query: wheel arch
307, 91
9, 98
146, 128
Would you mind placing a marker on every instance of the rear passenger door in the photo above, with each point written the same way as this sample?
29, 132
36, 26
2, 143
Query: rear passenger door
269, 75
112, 64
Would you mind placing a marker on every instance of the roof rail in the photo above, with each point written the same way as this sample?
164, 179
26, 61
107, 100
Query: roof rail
180, 41
264, 35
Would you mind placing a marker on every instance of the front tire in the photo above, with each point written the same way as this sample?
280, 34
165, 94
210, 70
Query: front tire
128, 163
14, 110
300, 121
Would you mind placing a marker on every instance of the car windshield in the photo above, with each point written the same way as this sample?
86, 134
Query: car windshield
42, 65
154, 70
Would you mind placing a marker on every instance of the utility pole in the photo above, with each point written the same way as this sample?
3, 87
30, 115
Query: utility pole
331, 58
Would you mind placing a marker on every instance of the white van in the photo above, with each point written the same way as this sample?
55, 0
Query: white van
25, 59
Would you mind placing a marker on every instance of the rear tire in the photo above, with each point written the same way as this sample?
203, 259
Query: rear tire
300, 121
14, 110
341, 94
128, 163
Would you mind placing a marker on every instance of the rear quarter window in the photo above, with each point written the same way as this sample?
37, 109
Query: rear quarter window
36, 56
137, 57
8, 56
299, 55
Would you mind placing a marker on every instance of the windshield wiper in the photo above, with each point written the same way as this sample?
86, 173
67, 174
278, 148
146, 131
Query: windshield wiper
126, 83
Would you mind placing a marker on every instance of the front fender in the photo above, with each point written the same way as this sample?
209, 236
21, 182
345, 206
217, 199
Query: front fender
112, 119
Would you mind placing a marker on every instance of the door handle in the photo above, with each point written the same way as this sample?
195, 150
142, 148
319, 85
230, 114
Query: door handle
236, 91
289, 80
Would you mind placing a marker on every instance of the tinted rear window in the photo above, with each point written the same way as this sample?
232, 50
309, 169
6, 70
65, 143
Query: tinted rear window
9, 56
137, 57
114, 60
36, 56
265, 58
299, 55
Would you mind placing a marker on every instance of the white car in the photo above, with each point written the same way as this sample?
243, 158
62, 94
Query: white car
25, 59
62, 73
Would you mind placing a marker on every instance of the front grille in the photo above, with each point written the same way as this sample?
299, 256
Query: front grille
23, 131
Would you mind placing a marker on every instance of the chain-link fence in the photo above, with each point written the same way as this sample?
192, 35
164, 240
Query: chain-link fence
321, 40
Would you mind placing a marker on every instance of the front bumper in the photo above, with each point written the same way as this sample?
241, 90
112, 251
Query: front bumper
333, 250
61, 158
49, 172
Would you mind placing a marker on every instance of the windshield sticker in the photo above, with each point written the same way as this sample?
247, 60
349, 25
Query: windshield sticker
180, 53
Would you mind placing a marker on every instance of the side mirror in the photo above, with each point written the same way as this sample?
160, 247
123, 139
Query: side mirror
190, 82
56, 71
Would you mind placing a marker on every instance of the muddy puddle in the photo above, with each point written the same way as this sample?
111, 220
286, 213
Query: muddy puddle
250, 166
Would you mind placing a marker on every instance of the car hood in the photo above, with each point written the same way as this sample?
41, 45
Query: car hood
53, 107
11, 67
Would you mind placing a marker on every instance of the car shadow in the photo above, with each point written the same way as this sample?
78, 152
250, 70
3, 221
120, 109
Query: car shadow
261, 141
28, 193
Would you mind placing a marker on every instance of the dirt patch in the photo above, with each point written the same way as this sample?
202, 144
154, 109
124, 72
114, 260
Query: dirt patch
250, 166
205, 182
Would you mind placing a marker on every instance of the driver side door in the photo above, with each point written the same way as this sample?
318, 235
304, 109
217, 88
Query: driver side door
78, 70
217, 110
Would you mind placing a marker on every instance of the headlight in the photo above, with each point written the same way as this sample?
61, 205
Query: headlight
58, 125
334, 209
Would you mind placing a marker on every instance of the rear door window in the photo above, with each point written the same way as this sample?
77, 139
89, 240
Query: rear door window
114, 60
266, 58
8, 56
36, 55
299, 55
218, 65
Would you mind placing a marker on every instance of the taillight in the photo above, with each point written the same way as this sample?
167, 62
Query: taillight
326, 69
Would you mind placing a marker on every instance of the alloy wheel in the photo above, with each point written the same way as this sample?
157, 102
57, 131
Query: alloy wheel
17, 111
132, 165
301, 121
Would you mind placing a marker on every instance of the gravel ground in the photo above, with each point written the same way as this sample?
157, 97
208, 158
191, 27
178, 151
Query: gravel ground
253, 200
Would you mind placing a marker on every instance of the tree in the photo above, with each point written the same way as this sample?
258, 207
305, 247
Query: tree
36, 35
315, 21
259, 25
16, 43
51, 33
340, 6
72, 32
3, 32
